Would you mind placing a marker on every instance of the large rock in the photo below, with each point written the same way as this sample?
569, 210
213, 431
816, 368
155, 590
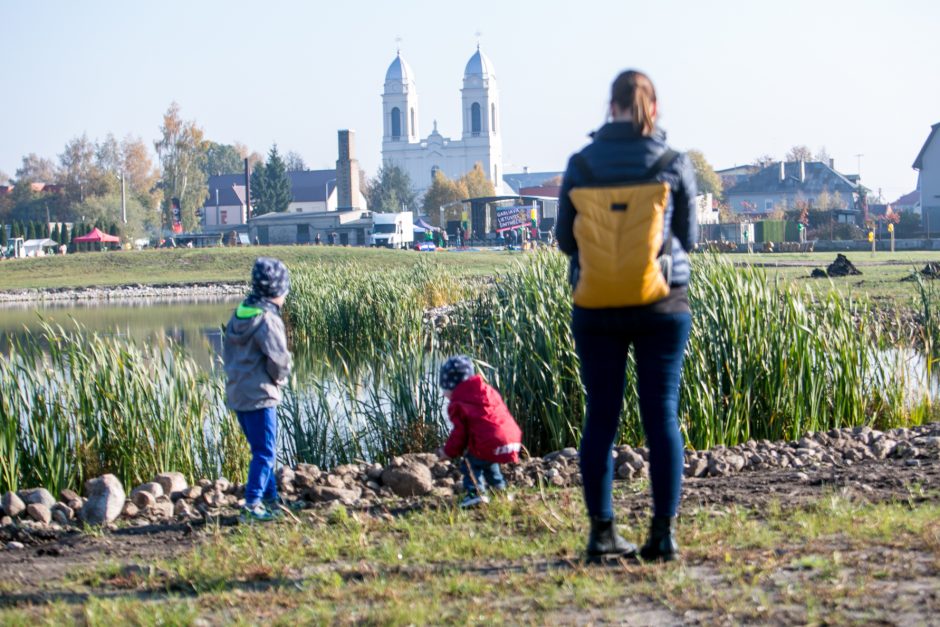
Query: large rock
410, 478
105, 500
41, 496
173, 483
322, 493
147, 494
13, 505
39, 512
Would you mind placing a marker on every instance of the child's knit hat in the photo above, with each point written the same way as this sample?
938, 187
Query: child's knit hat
269, 278
455, 371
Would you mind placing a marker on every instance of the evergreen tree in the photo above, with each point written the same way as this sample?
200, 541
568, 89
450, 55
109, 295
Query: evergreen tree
390, 190
31, 231
270, 186
66, 236
15, 229
113, 230
3, 235
56, 235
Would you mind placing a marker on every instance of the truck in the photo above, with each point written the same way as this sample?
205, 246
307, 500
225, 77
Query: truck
392, 230
15, 248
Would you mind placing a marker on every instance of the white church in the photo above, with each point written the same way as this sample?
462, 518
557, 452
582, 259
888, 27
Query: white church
402, 144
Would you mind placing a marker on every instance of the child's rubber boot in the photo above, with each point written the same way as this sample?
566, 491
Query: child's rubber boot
605, 543
661, 544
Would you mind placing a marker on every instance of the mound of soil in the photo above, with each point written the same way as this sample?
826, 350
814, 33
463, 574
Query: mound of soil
930, 271
840, 267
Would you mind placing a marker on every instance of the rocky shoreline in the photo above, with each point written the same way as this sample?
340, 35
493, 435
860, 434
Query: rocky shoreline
125, 292
410, 478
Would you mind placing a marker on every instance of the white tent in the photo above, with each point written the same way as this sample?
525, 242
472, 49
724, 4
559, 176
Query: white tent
37, 247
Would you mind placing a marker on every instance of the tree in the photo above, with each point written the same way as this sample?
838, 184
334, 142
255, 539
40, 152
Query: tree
442, 191
270, 186
106, 210
36, 169
80, 172
799, 153
56, 233
822, 155
763, 161
478, 186
390, 190
182, 153
254, 157
222, 159
31, 231
5, 178
3, 236
706, 180
294, 162
66, 235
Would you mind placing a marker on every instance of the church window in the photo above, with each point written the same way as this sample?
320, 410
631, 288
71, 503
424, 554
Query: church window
396, 123
434, 171
493, 116
475, 119
411, 129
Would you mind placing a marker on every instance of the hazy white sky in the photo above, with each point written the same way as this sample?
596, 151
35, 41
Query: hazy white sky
735, 79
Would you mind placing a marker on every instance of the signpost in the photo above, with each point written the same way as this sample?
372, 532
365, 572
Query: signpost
891, 231
871, 238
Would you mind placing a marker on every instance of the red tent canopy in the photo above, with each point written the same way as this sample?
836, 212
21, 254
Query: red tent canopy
97, 236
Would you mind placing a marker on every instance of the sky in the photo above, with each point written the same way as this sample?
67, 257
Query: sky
735, 80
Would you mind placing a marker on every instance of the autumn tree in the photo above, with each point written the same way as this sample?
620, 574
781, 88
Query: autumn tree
5, 178
80, 172
478, 186
822, 155
36, 169
182, 153
270, 185
442, 191
390, 191
253, 156
706, 180
799, 153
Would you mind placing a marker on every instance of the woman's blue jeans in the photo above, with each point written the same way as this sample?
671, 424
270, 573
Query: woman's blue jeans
602, 340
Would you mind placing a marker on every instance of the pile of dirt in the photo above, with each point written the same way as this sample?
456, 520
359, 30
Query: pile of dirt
840, 267
930, 271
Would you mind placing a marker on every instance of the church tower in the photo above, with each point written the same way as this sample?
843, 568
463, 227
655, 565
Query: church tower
481, 131
399, 105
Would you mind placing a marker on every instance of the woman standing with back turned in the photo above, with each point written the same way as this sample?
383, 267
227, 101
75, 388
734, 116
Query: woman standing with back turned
626, 218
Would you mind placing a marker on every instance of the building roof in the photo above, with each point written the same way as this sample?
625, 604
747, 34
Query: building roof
919, 161
738, 170
399, 70
819, 177
479, 65
529, 179
908, 200
299, 217
306, 186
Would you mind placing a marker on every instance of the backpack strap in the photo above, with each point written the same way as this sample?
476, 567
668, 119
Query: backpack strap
669, 155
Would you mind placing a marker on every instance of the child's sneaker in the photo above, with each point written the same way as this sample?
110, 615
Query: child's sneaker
472, 500
279, 505
255, 513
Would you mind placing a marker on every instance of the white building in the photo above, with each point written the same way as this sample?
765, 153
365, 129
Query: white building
927, 165
480, 142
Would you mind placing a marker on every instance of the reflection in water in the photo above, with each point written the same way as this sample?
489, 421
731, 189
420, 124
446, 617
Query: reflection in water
196, 325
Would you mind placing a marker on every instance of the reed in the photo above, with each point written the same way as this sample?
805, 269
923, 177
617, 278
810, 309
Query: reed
76, 405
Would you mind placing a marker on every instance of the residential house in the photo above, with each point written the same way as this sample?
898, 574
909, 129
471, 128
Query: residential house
927, 165
732, 176
785, 185
908, 202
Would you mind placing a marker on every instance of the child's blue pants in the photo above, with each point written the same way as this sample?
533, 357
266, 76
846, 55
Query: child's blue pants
260, 427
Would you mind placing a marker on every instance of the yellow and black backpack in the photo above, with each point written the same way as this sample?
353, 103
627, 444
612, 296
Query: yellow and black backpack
619, 227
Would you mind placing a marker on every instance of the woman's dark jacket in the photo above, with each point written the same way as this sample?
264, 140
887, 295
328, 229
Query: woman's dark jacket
620, 154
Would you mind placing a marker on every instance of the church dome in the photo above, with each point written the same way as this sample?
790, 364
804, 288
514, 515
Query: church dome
399, 70
479, 65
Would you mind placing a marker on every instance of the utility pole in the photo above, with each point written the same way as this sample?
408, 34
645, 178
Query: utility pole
123, 199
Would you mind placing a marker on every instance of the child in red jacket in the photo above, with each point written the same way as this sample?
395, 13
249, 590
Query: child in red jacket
484, 431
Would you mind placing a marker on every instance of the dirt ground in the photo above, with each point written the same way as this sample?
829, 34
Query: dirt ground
51, 567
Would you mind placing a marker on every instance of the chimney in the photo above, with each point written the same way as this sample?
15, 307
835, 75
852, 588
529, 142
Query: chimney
832, 164
347, 173
525, 169
783, 171
802, 171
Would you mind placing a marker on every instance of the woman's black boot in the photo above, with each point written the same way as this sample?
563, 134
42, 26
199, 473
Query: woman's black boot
604, 541
661, 545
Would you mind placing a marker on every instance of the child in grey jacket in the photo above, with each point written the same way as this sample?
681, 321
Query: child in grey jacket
257, 364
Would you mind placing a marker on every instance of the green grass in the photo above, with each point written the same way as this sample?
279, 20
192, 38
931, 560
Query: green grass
520, 562
216, 264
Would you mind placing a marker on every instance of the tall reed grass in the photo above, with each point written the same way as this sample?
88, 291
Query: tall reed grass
348, 310
763, 361
76, 405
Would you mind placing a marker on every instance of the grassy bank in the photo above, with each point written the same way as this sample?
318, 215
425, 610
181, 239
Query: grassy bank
216, 264
831, 561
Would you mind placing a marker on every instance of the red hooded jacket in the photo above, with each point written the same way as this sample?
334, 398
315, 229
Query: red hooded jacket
482, 424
